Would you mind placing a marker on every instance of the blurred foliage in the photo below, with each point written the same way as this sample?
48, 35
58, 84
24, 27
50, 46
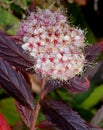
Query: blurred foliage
11, 13
95, 97
1, 91
8, 109
8, 22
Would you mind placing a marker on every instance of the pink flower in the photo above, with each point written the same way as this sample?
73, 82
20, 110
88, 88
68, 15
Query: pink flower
56, 46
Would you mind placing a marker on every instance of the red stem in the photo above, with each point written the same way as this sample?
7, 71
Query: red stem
38, 107
35, 117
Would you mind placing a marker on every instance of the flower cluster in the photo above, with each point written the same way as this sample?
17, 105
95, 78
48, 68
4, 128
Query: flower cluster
56, 46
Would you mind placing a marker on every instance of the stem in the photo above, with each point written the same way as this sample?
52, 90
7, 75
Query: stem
37, 109
35, 116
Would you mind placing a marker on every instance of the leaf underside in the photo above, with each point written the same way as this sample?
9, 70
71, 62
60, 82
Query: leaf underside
26, 114
77, 84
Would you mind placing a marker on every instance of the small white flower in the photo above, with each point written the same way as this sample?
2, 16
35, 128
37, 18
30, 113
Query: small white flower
25, 46
36, 32
59, 56
32, 54
38, 66
39, 61
42, 43
65, 58
43, 36
47, 62
77, 38
67, 37
25, 38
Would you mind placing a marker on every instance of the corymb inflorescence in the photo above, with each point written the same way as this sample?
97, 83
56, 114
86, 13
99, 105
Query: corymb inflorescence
56, 46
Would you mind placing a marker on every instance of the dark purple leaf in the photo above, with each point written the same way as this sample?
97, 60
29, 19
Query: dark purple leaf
93, 51
51, 85
77, 84
15, 85
47, 125
62, 115
14, 54
26, 114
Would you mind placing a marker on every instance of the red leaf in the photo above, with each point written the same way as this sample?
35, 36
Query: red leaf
92, 52
15, 85
62, 115
77, 84
47, 125
3, 123
14, 54
25, 113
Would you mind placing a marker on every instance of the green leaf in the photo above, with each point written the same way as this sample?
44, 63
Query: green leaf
94, 98
8, 22
7, 108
